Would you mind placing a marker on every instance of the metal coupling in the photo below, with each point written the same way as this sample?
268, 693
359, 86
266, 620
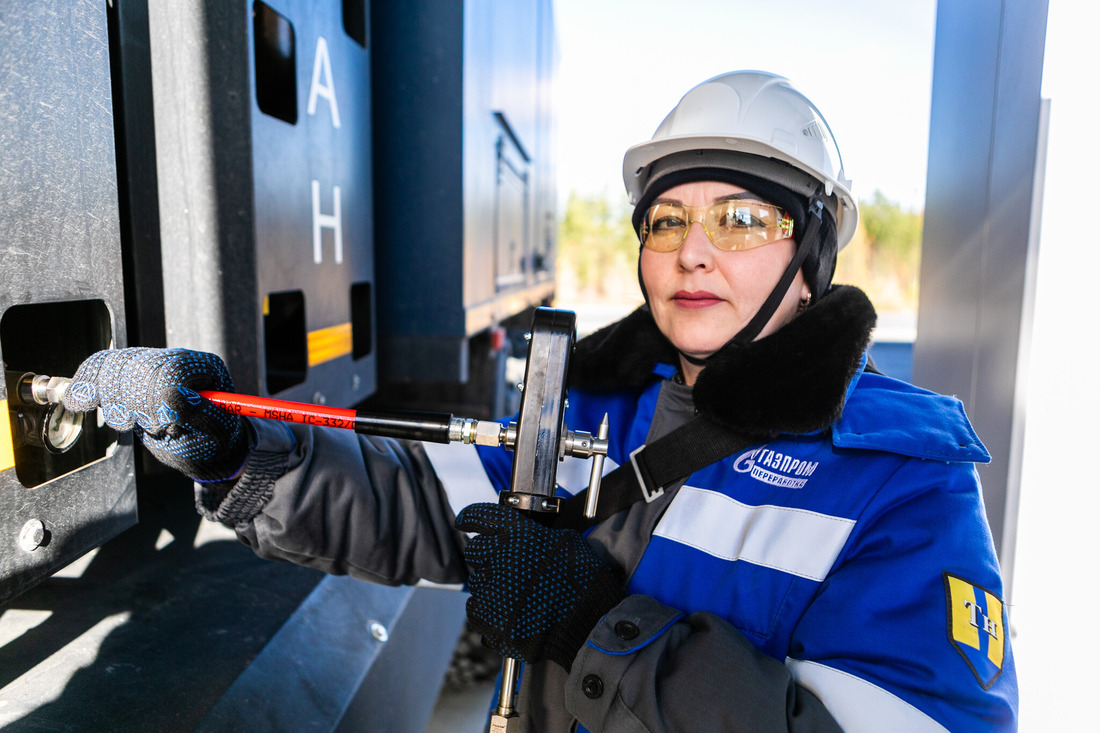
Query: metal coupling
581, 444
500, 724
42, 389
461, 430
479, 432
511, 435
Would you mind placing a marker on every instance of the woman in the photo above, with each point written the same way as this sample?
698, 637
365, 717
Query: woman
835, 571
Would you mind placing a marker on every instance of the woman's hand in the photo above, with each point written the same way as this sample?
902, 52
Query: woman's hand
536, 592
154, 392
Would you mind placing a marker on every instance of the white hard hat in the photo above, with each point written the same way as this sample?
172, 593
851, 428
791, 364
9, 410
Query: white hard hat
758, 114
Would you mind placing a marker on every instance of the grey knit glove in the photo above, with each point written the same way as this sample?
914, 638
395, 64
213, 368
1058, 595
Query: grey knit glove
154, 392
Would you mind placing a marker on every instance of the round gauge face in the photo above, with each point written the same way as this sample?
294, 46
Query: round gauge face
61, 429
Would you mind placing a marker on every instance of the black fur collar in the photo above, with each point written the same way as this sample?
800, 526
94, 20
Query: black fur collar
792, 381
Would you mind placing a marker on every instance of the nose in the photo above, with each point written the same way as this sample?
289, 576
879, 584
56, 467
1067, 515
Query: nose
696, 251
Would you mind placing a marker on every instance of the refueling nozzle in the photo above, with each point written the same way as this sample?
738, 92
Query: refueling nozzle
35, 401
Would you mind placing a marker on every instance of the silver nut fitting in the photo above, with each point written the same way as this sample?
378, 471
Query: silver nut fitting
488, 433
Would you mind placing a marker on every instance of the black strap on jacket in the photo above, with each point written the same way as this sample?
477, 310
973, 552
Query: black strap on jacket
671, 458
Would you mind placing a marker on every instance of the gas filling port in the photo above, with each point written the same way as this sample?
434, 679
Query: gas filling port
35, 401
46, 441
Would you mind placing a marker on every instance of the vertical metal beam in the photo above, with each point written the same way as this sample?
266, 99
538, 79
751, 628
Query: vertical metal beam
981, 213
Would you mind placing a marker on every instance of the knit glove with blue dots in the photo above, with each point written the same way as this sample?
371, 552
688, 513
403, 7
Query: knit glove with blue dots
154, 392
535, 592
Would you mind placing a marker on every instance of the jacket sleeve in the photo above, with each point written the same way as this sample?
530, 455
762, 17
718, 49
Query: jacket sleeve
911, 623
907, 632
369, 507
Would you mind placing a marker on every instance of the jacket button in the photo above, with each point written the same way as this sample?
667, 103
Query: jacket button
626, 630
592, 686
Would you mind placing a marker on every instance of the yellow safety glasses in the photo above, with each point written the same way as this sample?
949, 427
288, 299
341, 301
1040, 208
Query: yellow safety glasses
731, 225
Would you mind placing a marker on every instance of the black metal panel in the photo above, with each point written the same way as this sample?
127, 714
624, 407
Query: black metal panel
979, 249
313, 196
61, 293
264, 170
355, 656
218, 215
464, 176
400, 689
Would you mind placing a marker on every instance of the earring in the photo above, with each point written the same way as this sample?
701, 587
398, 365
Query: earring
804, 303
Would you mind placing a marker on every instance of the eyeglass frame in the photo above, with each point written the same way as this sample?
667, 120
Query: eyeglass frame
783, 230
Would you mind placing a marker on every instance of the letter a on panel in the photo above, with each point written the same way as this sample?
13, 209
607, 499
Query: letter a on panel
323, 87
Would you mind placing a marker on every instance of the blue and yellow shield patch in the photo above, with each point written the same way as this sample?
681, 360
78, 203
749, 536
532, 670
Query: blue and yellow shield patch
976, 627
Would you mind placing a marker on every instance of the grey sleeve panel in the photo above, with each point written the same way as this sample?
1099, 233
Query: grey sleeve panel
348, 504
683, 673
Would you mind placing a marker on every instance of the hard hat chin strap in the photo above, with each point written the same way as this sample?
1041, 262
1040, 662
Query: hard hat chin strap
752, 329
767, 310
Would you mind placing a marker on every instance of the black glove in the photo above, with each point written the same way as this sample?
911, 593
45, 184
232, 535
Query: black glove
154, 392
536, 592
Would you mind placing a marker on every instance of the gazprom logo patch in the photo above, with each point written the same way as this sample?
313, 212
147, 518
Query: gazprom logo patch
976, 627
775, 468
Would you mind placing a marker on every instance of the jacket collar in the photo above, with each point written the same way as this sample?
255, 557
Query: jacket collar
792, 381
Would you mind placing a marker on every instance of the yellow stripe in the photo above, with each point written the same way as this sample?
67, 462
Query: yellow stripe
7, 447
961, 629
326, 344
996, 639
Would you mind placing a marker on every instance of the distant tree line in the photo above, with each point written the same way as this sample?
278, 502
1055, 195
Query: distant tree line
883, 257
597, 250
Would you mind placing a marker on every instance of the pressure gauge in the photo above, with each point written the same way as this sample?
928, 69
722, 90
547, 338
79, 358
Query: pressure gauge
61, 428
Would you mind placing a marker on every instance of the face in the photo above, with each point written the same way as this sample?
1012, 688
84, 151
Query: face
702, 296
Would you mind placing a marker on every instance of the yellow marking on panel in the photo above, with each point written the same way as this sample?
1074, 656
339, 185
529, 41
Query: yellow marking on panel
326, 344
267, 306
962, 630
7, 447
995, 612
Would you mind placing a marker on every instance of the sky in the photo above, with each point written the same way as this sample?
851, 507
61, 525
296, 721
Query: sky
866, 64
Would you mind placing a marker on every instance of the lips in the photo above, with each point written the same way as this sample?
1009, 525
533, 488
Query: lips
696, 299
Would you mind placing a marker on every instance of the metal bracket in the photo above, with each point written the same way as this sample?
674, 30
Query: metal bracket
649, 496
